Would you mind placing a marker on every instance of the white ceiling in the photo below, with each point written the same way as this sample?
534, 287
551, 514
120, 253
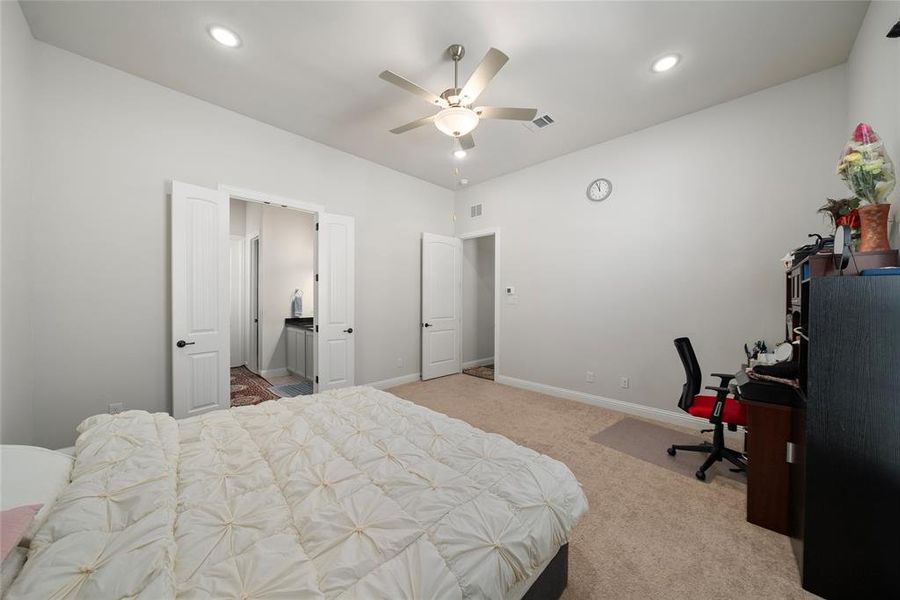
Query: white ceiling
312, 68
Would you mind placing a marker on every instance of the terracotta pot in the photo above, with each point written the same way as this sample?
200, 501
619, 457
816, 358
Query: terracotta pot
873, 231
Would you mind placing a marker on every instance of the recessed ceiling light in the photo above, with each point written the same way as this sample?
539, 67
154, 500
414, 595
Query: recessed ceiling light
662, 64
226, 37
459, 153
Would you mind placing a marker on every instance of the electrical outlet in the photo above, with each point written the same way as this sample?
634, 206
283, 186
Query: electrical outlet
624, 382
399, 363
116, 407
589, 377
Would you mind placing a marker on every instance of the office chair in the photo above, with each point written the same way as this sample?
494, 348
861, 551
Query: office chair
719, 409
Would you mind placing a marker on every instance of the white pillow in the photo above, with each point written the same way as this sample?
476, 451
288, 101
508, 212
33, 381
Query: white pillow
32, 475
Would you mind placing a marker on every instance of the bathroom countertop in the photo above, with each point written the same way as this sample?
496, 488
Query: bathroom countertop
299, 322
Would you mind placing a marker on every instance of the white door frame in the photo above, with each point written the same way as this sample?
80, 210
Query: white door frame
237, 193
498, 288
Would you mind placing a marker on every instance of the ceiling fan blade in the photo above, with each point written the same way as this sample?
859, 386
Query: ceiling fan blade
411, 87
466, 142
490, 65
413, 124
513, 114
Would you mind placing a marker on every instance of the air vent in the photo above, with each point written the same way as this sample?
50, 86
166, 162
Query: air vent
475, 210
542, 122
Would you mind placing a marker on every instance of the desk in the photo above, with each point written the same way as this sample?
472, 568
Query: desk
768, 439
835, 489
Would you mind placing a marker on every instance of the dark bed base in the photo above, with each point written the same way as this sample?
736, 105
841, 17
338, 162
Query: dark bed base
552, 581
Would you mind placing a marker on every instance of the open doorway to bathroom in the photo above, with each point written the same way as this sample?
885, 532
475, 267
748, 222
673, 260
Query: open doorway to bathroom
478, 306
272, 293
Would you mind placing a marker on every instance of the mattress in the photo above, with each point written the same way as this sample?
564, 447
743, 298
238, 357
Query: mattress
350, 494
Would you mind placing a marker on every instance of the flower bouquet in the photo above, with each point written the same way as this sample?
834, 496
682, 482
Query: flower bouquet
869, 173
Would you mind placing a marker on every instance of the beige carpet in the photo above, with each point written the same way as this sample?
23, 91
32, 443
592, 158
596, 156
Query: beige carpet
649, 533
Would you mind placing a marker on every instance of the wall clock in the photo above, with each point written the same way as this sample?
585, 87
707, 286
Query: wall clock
599, 190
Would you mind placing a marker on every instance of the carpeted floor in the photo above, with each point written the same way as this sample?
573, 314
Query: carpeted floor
650, 533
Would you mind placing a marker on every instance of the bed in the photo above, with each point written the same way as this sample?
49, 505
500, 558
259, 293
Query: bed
349, 494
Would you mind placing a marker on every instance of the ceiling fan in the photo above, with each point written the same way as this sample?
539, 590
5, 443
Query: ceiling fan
457, 118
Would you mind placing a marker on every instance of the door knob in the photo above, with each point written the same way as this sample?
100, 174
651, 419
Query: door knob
427, 324
348, 330
182, 343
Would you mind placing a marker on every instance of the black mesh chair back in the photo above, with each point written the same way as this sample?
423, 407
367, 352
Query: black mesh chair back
693, 377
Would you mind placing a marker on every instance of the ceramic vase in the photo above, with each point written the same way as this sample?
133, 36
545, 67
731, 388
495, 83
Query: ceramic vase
873, 220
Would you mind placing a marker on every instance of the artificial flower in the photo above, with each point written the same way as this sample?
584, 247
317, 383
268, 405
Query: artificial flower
865, 166
864, 133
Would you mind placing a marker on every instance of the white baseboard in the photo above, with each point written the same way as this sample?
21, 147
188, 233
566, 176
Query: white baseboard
639, 410
274, 373
479, 362
385, 384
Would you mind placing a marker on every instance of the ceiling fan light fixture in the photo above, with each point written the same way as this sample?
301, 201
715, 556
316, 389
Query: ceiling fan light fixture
456, 121
459, 153
665, 63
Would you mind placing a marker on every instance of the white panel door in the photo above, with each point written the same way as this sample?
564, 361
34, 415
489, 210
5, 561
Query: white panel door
441, 305
334, 362
200, 300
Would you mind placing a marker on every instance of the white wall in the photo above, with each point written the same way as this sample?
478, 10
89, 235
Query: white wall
874, 88
237, 218
16, 92
239, 280
287, 256
478, 299
98, 248
703, 208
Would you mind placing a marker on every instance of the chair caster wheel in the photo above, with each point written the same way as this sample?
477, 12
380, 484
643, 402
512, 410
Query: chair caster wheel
700, 475
671, 451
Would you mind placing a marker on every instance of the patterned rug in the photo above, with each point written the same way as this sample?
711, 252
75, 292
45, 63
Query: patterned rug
248, 388
485, 372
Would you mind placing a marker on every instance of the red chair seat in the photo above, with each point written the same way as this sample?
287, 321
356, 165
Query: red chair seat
734, 411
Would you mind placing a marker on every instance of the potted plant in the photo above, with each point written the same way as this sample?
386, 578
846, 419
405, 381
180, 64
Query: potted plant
844, 212
869, 173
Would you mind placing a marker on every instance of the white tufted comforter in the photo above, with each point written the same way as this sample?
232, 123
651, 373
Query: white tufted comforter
352, 493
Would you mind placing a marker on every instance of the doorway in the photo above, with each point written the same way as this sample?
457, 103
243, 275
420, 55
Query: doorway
461, 304
201, 266
478, 291
272, 302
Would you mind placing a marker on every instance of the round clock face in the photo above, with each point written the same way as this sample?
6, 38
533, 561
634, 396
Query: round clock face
599, 190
